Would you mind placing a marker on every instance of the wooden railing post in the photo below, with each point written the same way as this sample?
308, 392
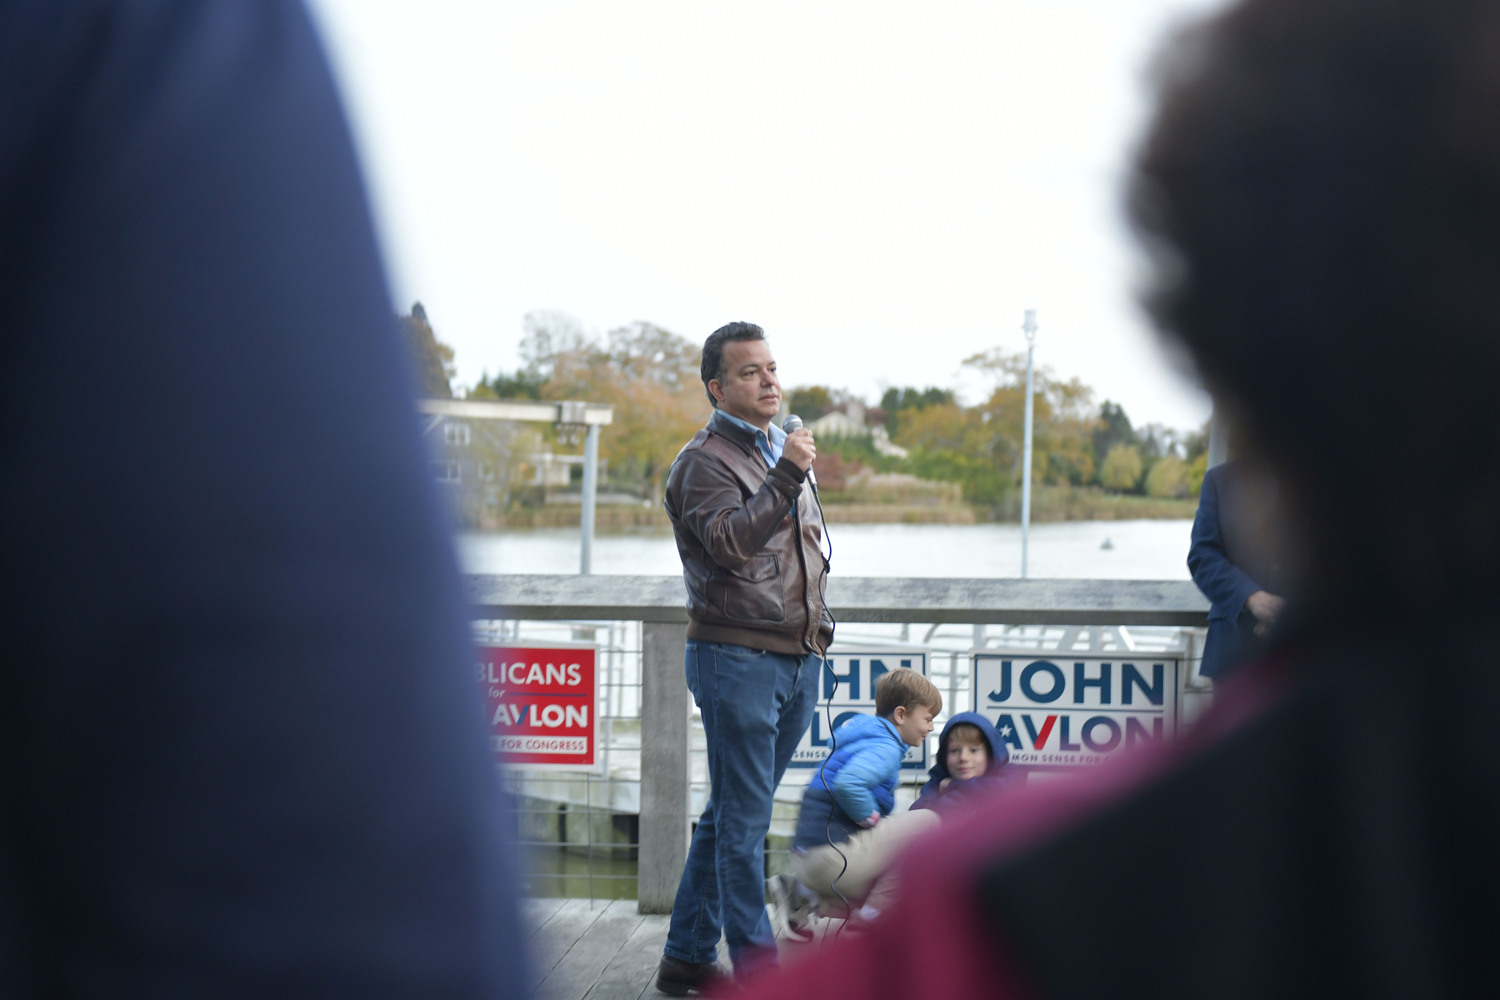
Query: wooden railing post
665, 711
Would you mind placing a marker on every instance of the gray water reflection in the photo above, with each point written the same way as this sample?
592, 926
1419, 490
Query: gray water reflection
1138, 550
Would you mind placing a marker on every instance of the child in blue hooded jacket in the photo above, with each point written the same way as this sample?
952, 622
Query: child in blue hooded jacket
971, 760
846, 835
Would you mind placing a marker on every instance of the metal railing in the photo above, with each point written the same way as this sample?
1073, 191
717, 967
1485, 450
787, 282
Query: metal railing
595, 834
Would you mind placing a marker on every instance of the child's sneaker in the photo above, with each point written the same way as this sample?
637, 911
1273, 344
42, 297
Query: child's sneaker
793, 905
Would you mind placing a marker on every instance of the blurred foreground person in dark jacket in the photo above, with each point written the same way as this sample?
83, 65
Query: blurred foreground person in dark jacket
1320, 194
241, 748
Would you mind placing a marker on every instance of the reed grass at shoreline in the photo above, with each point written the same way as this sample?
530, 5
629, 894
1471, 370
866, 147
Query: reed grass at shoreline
1048, 505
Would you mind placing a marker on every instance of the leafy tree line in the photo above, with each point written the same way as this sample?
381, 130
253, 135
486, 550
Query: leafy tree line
650, 376
982, 447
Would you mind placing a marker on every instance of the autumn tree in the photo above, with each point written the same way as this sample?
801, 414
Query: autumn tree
502, 386
951, 442
1195, 452
1062, 418
810, 401
1168, 477
551, 338
1121, 471
432, 360
1159, 440
945, 427
895, 401
1112, 428
1196, 470
1195, 443
648, 374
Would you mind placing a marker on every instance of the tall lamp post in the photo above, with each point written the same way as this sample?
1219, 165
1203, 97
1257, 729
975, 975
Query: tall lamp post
572, 421
1029, 327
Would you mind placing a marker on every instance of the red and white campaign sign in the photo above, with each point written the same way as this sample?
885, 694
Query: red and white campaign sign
541, 705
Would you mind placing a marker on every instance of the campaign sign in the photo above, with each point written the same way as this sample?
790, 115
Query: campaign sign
541, 704
847, 688
1061, 709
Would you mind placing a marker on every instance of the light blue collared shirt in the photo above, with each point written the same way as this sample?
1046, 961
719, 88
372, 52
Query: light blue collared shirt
770, 446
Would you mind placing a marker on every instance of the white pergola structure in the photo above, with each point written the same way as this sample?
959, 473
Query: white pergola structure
570, 416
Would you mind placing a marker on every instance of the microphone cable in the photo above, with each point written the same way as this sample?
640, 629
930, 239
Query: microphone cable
833, 743
828, 702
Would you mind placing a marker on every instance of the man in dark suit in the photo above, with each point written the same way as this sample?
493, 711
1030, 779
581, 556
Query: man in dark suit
1232, 563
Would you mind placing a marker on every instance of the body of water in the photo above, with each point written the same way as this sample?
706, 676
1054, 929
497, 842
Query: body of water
1136, 550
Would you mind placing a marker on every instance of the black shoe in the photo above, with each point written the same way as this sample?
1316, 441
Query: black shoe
677, 978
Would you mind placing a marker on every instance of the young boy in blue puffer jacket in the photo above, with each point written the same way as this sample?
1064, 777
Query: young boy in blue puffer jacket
846, 837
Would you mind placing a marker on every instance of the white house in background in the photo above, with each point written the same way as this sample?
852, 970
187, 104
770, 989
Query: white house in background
550, 470
849, 423
471, 460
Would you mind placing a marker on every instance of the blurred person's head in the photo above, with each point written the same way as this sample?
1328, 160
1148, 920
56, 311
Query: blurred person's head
1320, 198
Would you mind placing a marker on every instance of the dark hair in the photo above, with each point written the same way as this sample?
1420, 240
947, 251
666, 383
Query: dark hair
712, 366
1320, 197
905, 688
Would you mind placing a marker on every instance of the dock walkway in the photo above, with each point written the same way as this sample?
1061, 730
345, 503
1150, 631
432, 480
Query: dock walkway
598, 949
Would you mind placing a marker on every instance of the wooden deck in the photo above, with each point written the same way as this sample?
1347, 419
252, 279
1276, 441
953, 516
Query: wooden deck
601, 949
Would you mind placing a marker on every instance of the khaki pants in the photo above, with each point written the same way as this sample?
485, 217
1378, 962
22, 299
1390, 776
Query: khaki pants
868, 879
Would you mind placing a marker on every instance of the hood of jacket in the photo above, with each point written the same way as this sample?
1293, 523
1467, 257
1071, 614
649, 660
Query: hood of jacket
999, 753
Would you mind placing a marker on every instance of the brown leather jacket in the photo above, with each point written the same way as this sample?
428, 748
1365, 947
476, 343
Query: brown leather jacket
750, 544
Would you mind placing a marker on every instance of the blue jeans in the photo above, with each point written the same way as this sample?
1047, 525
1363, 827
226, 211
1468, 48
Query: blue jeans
756, 706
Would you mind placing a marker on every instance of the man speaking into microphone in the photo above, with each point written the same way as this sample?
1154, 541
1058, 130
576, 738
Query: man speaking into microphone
742, 510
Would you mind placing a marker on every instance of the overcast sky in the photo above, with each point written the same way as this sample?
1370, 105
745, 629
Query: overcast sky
884, 187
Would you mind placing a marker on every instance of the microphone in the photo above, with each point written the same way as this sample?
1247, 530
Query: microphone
791, 424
